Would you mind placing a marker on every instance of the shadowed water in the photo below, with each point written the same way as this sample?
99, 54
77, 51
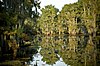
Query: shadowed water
62, 50
66, 51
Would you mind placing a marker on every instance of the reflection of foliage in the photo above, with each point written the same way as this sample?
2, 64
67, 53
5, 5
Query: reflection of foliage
48, 50
51, 46
78, 55
68, 54
75, 50
18, 23
26, 52
49, 56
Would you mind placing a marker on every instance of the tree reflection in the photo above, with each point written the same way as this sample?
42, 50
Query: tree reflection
48, 50
74, 50
90, 53
77, 53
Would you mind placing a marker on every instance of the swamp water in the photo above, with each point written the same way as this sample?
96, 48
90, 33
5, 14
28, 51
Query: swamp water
65, 50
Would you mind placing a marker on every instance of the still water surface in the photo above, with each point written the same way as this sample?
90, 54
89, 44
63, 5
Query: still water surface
65, 51
62, 50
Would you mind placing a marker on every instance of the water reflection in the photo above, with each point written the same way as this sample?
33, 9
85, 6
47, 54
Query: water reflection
65, 51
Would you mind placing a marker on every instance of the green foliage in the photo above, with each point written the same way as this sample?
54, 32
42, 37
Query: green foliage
13, 15
70, 19
46, 22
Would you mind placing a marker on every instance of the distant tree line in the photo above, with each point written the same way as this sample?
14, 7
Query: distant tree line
19, 23
82, 17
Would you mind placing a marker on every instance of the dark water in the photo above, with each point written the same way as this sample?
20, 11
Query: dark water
65, 50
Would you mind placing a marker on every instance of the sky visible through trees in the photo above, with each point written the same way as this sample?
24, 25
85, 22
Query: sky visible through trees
65, 29
57, 3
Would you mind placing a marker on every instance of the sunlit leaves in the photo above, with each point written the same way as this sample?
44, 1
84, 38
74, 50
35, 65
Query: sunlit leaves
47, 19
